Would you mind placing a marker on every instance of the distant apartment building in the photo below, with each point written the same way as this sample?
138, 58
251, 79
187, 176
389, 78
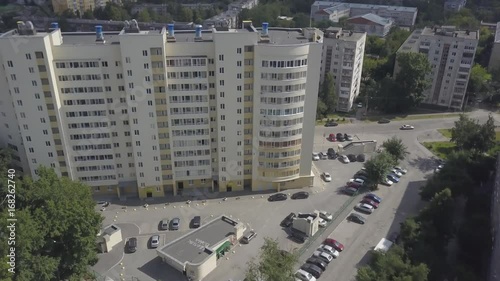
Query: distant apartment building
454, 5
451, 54
343, 57
159, 9
333, 11
60, 6
195, 6
494, 63
229, 18
151, 113
371, 24
243, 4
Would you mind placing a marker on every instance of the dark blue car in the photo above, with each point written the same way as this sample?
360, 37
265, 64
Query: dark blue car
374, 197
393, 177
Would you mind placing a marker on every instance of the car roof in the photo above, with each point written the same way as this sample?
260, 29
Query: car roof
155, 237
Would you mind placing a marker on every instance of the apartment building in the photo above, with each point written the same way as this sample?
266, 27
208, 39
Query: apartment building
60, 6
454, 5
334, 11
343, 57
494, 63
158, 113
451, 54
371, 24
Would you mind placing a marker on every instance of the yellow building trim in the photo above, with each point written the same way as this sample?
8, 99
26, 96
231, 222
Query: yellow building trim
282, 159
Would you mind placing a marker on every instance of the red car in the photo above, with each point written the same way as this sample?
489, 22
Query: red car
334, 244
331, 137
369, 202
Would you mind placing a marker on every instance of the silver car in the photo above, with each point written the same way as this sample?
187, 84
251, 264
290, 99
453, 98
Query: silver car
155, 241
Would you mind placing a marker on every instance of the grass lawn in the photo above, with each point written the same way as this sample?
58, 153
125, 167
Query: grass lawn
338, 118
411, 117
442, 148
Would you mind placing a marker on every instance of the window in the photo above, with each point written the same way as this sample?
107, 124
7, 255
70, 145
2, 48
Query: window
145, 53
129, 72
39, 55
238, 50
34, 83
221, 82
104, 64
238, 63
221, 57
10, 64
221, 70
146, 66
31, 70
28, 56
13, 77
20, 102
221, 94
238, 76
127, 60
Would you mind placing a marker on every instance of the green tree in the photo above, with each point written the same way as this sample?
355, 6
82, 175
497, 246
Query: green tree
273, 264
57, 225
144, 16
328, 94
185, 15
439, 214
396, 148
411, 80
88, 15
468, 134
321, 110
377, 168
479, 79
392, 266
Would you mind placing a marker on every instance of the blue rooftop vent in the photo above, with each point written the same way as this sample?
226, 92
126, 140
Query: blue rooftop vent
171, 30
54, 26
98, 33
198, 31
265, 28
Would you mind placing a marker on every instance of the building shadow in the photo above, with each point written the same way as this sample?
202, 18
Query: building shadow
365, 259
424, 164
158, 270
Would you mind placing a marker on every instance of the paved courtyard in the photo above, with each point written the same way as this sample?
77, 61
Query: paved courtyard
264, 217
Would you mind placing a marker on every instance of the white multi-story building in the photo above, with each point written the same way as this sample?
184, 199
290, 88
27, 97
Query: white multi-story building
343, 57
451, 55
154, 113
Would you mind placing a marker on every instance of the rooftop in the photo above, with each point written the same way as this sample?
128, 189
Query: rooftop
365, 6
450, 31
110, 229
373, 18
344, 35
196, 246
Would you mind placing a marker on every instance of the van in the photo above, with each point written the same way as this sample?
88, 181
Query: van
196, 222
132, 245
249, 236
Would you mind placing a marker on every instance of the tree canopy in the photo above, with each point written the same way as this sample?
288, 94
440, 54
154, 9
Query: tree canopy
396, 148
468, 134
411, 80
57, 225
273, 264
377, 168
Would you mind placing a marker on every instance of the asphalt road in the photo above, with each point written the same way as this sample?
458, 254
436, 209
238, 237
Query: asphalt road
264, 217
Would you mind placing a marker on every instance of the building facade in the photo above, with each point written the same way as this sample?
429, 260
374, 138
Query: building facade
371, 24
343, 53
451, 55
454, 5
334, 11
494, 63
60, 6
154, 113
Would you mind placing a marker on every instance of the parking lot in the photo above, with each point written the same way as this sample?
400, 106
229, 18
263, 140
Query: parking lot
264, 217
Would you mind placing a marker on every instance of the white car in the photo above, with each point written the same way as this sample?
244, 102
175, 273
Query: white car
355, 182
329, 250
323, 255
155, 241
344, 159
360, 105
315, 156
365, 208
322, 222
401, 170
407, 127
304, 275
387, 182
439, 168
327, 177
325, 215
397, 172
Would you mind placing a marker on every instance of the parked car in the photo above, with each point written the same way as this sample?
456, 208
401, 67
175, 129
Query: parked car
300, 195
361, 172
364, 208
331, 153
407, 127
304, 275
196, 222
344, 159
397, 173
164, 224
349, 190
329, 250
357, 182
334, 243
317, 262
439, 168
132, 245
277, 197
370, 202
288, 220
248, 237
311, 268
401, 170
298, 236
331, 124
352, 157
326, 177
361, 177
360, 105
393, 178
323, 256
387, 182
347, 137
356, 218
332, 137
384, 121
374, 197
315, 156
175, 224
325, 215
340, 137
155, 241
323, 155
361, 158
